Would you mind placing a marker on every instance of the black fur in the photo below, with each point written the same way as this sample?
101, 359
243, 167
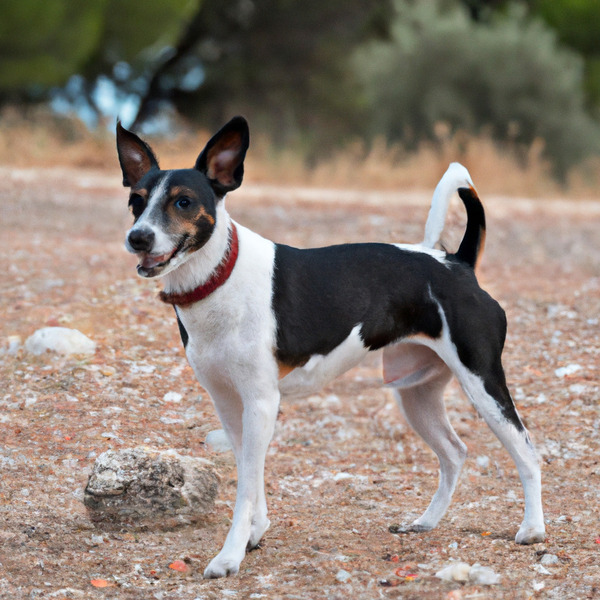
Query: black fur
233, 136
321, 294
470, 247
182, 331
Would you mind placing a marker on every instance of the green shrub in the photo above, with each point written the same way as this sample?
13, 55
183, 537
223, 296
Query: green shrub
508, 77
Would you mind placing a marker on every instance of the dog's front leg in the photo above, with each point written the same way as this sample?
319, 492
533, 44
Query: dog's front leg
250, 513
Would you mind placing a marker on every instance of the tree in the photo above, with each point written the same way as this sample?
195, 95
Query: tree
285, 64
44, 43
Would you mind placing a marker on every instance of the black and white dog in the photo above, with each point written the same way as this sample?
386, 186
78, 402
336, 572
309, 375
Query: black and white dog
259, 320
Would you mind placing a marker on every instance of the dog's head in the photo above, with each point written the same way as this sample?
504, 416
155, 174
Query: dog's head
175, 211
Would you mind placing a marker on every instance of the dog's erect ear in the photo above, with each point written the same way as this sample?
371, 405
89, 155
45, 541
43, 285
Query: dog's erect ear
222, 160
135, 156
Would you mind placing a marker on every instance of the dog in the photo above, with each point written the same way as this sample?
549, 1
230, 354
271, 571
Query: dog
259, 320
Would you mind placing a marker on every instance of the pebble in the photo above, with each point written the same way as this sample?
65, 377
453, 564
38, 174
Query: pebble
61, 340
462, 572
483, 461
343, 576
549, 559
568, 370
12, 346
483, 575
218, 441
455, 572
538, 585
541, 569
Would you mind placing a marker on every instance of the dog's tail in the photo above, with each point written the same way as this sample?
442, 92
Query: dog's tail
471, 247
457, 178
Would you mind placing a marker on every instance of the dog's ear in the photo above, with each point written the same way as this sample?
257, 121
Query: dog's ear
135, 156
222, 160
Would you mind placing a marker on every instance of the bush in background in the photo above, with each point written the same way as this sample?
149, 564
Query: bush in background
508, 78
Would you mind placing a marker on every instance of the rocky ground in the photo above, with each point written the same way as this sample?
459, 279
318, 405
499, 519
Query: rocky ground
342, 467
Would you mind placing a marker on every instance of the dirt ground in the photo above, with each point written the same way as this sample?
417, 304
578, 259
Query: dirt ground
343, 466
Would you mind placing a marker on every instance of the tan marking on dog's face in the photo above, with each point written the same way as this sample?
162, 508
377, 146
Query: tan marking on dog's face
137, 206
191, 221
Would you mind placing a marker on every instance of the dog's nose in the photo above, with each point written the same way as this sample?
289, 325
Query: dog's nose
141, 240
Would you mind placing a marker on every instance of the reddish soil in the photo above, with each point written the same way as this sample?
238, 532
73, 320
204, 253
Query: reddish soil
64, 264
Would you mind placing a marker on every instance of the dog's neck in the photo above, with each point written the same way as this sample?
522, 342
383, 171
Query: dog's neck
201, 265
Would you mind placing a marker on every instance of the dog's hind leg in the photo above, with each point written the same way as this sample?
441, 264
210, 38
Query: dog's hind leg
424, 409
474, 352
494, 403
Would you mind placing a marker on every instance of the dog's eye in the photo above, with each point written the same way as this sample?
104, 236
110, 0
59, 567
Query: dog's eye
183, 202
137, 204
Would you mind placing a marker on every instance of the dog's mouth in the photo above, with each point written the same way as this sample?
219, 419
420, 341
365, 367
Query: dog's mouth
151, 265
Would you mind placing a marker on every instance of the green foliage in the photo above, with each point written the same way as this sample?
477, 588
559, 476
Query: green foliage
43, 43
577, 23
508, 76
135, 31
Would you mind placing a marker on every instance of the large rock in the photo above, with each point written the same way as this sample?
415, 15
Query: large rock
141, 487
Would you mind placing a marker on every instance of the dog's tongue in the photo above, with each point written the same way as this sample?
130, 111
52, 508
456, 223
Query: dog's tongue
149, 261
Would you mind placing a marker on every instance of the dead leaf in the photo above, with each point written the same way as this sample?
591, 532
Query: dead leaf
179, 565
101, 583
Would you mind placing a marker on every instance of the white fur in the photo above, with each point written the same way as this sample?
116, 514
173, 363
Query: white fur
455, 177
231, 352
439, 255
163, 243
321, 369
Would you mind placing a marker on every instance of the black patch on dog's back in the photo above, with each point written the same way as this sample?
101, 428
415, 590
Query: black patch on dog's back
321, 294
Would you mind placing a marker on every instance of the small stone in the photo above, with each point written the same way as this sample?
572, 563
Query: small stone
538, 585
172, 397
218, 441
13, 344
61, 340
483, 575
541, 569
568, 370
342, 476
483, 461
455, 572
343, 576
462, 572
549, 559
143, 486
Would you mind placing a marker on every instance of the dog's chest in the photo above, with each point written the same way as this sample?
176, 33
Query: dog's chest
235, 323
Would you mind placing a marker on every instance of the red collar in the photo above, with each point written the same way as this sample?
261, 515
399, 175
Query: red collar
216, 280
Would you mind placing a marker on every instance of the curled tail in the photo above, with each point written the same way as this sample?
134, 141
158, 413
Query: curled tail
473, 241
457, 179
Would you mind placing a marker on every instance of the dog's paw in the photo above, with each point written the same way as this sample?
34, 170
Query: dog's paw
221, 566
528, 534
412, 528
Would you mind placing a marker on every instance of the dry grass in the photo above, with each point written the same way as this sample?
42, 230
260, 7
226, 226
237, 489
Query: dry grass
34, 137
